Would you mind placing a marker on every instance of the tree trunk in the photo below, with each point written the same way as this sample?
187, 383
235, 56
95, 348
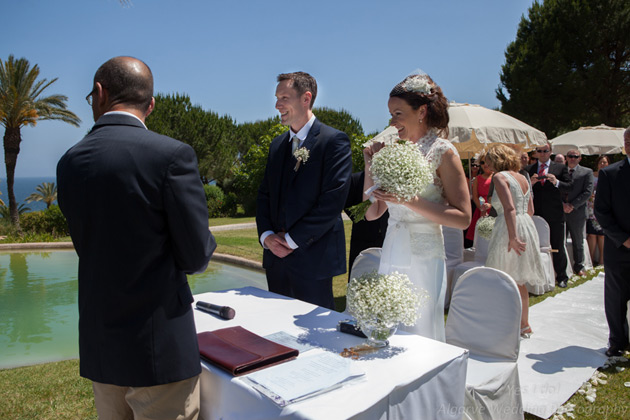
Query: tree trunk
12, 139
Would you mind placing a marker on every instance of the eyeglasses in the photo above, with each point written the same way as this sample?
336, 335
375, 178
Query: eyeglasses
543, 150
482, 163
573, 156
88, 98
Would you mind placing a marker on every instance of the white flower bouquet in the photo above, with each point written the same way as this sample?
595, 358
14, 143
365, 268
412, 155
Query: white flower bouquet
384, 299
485, 226
399, 168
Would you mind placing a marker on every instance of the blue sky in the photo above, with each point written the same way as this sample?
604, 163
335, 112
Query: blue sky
225, 55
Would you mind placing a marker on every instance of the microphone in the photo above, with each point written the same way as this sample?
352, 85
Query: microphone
224, 312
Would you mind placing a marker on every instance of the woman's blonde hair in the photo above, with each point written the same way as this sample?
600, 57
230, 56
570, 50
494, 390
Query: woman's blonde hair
503, 158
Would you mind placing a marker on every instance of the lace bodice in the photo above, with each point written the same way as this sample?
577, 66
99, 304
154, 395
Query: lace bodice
520, 200
425, 236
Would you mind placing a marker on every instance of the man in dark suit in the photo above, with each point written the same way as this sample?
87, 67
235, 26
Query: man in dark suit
299, 202
575, 199
548, 178
612, 203
139, 223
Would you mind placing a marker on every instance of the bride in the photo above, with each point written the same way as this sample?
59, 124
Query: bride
414, 244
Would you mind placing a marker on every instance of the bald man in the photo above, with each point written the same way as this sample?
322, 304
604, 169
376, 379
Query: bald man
138, 218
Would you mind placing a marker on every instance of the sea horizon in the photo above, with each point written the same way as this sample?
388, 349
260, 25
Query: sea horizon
23, 187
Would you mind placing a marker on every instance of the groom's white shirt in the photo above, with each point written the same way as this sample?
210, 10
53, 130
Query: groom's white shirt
301, 134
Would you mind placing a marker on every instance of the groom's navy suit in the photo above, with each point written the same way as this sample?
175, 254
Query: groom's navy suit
548, 205
139, 223
306, 204
612, 204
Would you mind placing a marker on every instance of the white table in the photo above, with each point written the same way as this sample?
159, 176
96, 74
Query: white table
414, 378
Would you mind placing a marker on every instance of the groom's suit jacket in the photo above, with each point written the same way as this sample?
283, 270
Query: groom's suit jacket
307, 203
138, 219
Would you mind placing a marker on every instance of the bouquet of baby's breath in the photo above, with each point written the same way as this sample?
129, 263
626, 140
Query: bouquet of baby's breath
399, 168
387, 299
485, 226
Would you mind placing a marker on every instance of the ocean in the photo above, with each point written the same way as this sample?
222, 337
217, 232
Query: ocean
23, 187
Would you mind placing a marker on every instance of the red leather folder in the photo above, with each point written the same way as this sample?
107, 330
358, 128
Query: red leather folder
240, 351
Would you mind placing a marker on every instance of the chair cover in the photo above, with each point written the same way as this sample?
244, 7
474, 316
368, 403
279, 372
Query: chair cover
475, 257
454, 250
368, 260
542, 227
484, 318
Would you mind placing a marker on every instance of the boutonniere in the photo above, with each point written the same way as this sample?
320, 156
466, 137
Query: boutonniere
301, 154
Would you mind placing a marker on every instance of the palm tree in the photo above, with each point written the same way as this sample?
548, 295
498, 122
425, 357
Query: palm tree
46, 192
4, 210
22, 105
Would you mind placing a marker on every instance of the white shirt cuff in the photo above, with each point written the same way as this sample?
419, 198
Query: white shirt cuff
264, 236
290, 241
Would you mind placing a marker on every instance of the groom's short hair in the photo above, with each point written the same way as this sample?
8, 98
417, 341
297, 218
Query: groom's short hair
302, 82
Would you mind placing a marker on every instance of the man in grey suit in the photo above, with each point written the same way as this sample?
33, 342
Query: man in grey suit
574, 203
138, 219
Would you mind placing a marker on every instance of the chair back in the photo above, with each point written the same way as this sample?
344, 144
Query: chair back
453, 245
368, 260
481, 246
542, 227
485, 315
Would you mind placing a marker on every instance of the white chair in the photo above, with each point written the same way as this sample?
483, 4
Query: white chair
484, 318
542, 227
479, 255
454, 251
367, 260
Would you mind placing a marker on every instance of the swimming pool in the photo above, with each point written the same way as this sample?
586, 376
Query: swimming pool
38, 303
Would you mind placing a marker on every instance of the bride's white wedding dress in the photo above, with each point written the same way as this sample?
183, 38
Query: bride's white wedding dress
414, 245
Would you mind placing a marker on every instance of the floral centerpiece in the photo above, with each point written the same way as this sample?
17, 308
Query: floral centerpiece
399, 168
485, 226
380, 302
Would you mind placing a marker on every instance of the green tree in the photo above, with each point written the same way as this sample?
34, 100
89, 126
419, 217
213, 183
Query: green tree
46, 192
342, 120
212, 137
569, 66
248, 174
22, 104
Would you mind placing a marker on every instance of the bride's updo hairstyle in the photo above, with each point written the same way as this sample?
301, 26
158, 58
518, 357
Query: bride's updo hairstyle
418, 90
503, 158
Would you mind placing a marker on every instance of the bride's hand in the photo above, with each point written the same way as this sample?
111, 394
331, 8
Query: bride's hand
369, 151
383, 195
516, 245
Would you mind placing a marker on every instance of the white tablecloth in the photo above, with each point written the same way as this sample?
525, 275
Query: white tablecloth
414, 378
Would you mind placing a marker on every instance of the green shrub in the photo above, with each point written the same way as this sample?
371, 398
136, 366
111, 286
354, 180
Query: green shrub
215, 198
50, 221
230, 205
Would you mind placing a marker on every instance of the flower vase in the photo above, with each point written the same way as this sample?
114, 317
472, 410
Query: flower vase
377, 333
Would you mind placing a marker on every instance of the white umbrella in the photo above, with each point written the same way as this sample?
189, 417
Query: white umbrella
473, 128
600, 140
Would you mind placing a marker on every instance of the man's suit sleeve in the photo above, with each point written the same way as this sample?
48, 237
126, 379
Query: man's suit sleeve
337, 169
604, 210
187, 213
263, 206
586, 192
564, 179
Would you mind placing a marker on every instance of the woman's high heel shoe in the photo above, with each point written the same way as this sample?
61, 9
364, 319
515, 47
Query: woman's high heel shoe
526, 332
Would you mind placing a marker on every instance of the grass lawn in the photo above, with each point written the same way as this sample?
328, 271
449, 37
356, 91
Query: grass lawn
55, 390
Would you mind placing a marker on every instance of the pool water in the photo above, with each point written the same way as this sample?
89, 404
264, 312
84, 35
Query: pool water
38, 303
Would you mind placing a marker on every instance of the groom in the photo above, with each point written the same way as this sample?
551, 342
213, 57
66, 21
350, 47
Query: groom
299, 204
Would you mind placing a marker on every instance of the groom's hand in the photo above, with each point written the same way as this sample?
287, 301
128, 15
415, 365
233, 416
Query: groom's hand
278, 245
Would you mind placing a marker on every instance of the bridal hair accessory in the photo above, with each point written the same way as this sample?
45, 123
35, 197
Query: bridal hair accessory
301, 154
419, 84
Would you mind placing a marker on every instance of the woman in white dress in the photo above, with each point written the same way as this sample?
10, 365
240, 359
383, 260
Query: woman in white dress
514, 246
414, 244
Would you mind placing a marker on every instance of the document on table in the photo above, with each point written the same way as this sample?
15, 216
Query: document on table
306, 376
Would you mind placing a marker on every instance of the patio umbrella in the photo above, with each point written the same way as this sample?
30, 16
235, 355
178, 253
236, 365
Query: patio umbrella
472, 128
599, 140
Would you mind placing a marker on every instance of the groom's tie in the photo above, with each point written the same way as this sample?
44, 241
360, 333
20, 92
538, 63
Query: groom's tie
295, 144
